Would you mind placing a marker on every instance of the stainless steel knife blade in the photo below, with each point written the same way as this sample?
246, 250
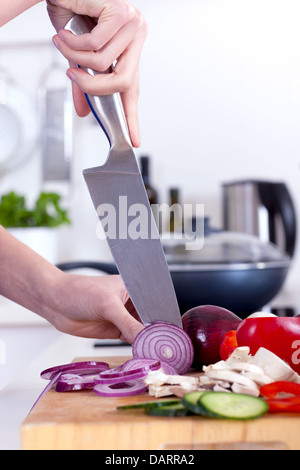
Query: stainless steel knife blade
123, 207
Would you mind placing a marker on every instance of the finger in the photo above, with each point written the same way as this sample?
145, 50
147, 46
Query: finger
130, 106
80, 103
119, 80
107, 84
109, 23
99, 60
126, 323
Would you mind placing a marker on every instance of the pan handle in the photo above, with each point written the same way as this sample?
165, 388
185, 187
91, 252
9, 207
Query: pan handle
108, 109
109, 268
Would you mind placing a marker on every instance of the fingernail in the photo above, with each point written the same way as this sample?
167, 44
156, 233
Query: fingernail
61, 34
72, 76
55, 42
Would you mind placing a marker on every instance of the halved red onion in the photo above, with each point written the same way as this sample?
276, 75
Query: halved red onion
79, 368
123, 389
72, 382
167, 343
168, 368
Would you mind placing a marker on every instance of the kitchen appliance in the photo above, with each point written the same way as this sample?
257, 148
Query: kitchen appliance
117, 187
56, 114
261, 208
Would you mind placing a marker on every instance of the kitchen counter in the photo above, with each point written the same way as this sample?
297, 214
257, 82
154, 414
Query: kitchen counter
17, 398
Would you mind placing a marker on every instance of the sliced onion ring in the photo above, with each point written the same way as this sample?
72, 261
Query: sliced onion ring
151, 364
167, 343
124, 389
72, 382
79, 368
122, 377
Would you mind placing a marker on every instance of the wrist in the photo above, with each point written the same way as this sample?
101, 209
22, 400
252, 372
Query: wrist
52, 295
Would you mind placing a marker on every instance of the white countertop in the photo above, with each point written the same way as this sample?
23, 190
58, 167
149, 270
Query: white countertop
17, 398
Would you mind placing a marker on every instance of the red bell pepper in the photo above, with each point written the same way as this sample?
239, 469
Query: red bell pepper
228, 344
281, 335
282, 396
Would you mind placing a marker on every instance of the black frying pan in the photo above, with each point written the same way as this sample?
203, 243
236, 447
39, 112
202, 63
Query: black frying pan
240, 287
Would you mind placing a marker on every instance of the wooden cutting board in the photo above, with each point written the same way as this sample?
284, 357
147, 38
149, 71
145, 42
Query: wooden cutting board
85, 421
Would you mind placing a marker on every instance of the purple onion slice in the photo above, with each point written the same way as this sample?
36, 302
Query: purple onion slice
78, 368
123, 389
72, 382
167, 343
134, 364
122, 377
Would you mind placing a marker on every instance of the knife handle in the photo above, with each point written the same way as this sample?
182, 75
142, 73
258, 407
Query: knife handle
107, 109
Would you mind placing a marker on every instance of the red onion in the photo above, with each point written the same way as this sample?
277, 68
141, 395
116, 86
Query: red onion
123, 389
72, 382
131, 364
159, 345
153, 365
123, 376
206, 326
79, 368
165, 342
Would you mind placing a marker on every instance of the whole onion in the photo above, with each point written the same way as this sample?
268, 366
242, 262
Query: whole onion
206, 325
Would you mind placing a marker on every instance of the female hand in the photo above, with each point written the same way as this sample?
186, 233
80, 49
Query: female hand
94, 307
79, 305
118, 36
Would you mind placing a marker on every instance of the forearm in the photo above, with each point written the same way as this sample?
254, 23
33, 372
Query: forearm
26, 278
9, 9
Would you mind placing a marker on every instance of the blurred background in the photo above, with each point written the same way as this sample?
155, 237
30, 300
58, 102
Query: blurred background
220, 101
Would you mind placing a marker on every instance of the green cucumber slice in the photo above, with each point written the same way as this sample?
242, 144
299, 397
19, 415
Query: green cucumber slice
150, 404
177, 409
231, 405
190, 401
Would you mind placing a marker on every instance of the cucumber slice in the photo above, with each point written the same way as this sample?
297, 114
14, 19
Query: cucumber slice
150, 404
231, 405
177, 409
190, 401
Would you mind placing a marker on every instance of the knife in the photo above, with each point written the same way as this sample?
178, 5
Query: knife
120, 199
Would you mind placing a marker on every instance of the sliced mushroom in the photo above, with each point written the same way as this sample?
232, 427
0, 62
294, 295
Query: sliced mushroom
239, 388
240, 354
259, 379
230, 376
219, 388
221, 365
159, 378
246, 367
209, 382
273, 366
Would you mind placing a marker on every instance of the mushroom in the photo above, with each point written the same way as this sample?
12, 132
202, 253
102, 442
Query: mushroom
253, 390
273, 366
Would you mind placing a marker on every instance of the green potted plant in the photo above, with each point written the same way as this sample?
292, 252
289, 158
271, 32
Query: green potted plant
34, 226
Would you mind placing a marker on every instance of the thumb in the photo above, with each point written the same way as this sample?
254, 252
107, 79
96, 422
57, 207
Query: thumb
125, 322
